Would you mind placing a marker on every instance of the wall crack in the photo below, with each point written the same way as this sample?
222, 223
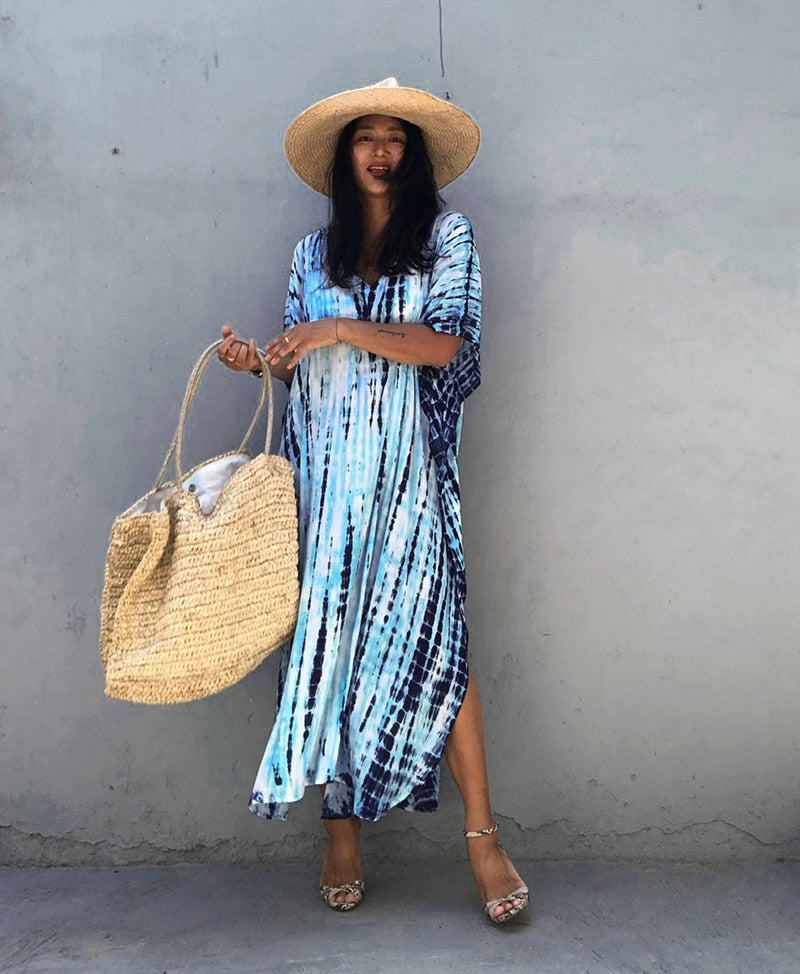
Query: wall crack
441, 38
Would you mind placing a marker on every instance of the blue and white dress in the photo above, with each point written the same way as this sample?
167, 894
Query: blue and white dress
377, 669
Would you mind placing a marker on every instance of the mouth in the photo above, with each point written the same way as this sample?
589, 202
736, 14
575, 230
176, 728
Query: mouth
380, 172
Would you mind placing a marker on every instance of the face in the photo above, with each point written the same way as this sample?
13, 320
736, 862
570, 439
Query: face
376, 150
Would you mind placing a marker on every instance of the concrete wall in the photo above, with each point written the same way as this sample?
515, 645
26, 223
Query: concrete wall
630, 465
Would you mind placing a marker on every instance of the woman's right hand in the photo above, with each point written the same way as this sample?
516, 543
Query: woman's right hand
237, 353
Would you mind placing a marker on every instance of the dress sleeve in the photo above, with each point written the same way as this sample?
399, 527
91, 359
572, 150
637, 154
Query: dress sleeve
453, 303
295, 311
453, 306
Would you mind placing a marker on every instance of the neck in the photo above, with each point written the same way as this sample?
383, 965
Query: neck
375, 216
376, 212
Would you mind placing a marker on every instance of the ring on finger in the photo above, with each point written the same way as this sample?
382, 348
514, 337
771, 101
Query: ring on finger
286, 339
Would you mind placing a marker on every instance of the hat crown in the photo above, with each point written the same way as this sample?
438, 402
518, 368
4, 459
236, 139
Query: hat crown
386, 83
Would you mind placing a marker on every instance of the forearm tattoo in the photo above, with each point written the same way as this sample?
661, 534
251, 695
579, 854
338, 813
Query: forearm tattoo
389, 331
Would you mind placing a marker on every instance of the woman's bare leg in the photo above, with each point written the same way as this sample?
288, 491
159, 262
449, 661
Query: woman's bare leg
342, 863
466, 757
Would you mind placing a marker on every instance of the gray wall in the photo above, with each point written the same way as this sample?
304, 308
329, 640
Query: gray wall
630, 466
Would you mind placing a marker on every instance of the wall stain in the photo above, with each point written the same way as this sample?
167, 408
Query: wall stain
207, 67
76, 621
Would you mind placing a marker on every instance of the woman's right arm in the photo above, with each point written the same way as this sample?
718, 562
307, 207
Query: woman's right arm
240, 355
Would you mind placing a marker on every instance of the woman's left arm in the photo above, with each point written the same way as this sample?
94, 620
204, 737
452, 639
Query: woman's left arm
413, 343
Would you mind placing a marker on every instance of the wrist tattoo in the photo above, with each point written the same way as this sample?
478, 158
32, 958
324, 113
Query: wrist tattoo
389, 331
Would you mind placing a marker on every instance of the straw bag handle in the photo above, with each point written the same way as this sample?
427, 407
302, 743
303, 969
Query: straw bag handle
176, 446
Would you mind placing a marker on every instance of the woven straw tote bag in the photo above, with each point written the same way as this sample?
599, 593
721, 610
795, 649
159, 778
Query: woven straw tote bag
201, 577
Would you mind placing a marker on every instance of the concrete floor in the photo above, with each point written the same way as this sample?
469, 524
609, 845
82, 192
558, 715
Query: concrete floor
417, 917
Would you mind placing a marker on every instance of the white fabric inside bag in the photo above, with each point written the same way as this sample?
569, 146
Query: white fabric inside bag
205, 482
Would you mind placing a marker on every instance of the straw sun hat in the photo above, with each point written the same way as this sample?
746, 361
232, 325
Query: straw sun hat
451, 135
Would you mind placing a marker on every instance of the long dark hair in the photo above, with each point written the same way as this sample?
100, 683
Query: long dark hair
403, 246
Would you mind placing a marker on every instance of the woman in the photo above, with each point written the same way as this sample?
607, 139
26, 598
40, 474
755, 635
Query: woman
380, 349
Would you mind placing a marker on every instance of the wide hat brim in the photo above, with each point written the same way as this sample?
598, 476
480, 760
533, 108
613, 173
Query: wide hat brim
451, 135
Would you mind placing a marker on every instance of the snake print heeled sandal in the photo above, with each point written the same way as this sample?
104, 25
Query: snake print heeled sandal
519, 900
329, 894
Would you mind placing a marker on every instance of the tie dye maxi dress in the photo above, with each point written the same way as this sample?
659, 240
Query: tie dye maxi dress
374, 677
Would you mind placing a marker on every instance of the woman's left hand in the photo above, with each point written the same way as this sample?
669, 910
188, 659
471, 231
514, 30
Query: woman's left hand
293, 344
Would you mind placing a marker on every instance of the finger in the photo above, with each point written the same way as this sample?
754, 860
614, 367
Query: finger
233, 353
288, 342
253, 361
293, 355
275, 350
229, 337
239, 353
224, 349
287, 336
281, 355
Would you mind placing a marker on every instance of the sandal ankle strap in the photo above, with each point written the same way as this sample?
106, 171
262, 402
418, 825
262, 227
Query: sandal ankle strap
476, 835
